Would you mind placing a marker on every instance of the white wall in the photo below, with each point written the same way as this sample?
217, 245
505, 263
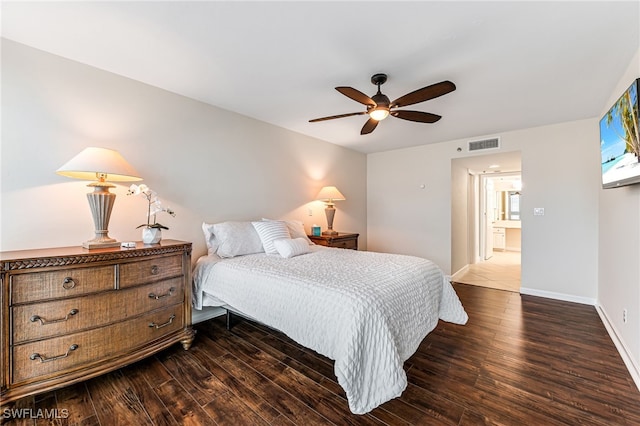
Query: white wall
619, 250
560, 172
460, 240
208, 164
403, 217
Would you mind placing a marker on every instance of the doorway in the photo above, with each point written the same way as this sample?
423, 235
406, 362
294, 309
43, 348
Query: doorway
486, 247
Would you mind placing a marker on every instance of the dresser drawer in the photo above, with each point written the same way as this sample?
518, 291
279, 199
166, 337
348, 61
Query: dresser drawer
135, 273
345, 244
63, 354
48, 319
36, 286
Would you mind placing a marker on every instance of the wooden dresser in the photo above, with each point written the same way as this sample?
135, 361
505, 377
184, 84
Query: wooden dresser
340, 240
69, 314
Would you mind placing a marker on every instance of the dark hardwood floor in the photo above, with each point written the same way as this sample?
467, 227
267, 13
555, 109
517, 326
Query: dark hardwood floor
520, 360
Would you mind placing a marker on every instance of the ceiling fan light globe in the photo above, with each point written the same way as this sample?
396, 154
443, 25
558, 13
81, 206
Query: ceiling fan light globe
379, 113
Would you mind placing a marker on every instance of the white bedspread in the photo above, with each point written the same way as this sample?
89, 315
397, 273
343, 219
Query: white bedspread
367, 311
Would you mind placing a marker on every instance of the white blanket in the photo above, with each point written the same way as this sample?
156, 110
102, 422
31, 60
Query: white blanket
367, 311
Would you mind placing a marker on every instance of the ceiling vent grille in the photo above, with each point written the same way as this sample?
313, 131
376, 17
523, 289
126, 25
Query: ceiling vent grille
492, 143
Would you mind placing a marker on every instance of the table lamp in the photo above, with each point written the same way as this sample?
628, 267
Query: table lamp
103, 165
329, 194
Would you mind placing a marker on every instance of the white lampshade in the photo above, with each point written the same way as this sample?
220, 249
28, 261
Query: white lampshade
330, 194
94, 163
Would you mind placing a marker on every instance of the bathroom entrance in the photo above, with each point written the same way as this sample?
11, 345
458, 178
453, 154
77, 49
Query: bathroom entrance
486, 247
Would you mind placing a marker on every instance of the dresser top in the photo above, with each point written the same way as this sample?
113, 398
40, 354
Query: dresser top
60, 256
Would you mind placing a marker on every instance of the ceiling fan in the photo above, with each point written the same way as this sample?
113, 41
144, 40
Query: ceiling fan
379, 106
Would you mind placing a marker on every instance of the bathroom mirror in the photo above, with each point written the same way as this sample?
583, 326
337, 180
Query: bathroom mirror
513, 205
508, 207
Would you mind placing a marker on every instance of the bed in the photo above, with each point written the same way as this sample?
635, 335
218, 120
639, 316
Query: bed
367, 311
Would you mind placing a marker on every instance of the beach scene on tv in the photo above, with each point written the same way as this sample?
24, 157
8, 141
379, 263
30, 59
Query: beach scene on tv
620, 140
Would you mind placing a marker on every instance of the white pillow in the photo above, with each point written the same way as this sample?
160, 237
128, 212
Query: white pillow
296, 229
269, 231
290, 248
230, 239
209, 238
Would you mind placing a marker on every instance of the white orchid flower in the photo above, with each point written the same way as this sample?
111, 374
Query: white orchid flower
155, 208
154, 205
134, 190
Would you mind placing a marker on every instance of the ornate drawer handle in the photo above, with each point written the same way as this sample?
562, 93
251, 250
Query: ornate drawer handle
43, 321
155, 296
155, 270
68, 283
171, 318
37, 356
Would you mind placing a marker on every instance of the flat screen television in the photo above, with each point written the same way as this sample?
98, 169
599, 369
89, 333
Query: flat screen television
620, 140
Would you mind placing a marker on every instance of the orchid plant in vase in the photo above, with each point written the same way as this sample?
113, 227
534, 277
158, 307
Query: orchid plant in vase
151, 232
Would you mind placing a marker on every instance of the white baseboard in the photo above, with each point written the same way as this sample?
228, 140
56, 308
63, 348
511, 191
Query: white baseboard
460, 271
206, 313
558, 296
624, 352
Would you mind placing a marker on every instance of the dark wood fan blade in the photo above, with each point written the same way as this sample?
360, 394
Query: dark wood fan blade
418, 116
424, 94
331, 117
369, 126
356, 95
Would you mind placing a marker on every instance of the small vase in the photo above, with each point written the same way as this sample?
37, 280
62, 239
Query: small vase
151, 235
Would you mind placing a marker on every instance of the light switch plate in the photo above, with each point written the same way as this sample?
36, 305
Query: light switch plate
538, 211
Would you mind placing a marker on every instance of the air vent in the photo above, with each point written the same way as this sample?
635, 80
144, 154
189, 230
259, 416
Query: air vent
493, 143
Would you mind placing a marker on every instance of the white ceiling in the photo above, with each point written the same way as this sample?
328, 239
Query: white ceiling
516, 64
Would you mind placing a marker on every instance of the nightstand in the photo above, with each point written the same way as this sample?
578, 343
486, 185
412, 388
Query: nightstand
340, 240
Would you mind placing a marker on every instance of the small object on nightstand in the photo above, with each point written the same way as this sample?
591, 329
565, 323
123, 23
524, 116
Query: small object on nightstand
315, 231
128, 244
339, 240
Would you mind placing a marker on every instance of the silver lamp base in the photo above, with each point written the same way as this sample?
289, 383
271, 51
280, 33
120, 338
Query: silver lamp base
330, 211
101, 203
